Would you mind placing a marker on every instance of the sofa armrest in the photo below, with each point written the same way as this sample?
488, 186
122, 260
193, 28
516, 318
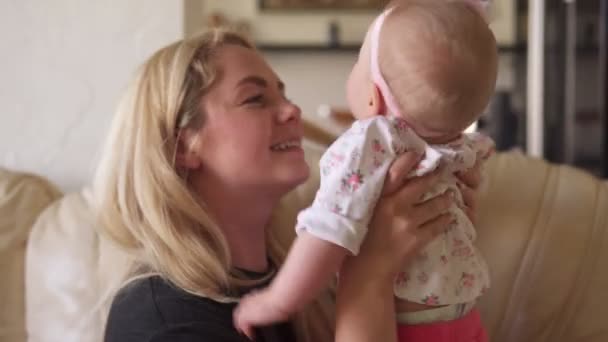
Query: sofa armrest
22, 198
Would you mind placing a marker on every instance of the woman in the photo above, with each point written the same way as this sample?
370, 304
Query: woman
200, 153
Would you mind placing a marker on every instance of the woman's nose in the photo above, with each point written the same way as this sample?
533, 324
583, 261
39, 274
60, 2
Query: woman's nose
289, 112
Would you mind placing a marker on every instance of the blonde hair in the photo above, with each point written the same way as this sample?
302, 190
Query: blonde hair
439, 58
144, 204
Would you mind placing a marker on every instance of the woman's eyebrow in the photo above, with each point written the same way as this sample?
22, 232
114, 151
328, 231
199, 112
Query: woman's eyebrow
259, 81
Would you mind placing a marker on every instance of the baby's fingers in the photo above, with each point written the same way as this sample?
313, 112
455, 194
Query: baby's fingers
242, 324
248, 331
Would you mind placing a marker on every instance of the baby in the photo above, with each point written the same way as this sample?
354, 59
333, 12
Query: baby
425, 72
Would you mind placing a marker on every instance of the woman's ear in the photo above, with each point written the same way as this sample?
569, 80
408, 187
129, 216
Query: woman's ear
185, 155
376, 105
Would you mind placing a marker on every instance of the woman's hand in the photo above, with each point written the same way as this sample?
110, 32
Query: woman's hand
400, 227
470, 182
401, 224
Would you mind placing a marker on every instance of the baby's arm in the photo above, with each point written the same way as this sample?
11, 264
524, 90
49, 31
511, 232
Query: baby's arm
309, 268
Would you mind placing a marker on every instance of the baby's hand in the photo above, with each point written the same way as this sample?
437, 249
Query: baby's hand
257, 309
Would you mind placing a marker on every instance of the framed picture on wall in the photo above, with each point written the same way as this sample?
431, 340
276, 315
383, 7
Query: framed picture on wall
295, 5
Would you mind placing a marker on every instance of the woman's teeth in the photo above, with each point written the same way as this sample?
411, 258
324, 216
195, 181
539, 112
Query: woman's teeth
285, 145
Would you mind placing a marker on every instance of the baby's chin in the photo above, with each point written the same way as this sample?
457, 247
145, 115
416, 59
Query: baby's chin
433, 135
440, 138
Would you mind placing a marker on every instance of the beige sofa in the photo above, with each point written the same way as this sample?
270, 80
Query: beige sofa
543, 229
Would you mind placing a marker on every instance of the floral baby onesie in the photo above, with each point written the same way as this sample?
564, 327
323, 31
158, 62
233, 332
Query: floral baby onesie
450, 269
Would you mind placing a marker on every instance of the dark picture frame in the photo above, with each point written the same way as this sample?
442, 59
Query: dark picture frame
324, 5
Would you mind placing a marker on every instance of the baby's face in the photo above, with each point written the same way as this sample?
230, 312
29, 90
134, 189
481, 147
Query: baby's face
359, 86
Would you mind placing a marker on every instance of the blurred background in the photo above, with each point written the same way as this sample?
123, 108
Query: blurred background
65, 64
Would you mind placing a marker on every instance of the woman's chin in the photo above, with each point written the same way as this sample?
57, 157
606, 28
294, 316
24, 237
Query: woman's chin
304, 176
295, 175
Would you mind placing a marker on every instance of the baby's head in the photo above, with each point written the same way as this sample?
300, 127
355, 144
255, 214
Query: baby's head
439, 60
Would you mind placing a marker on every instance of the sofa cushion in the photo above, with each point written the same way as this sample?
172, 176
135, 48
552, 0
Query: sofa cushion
543, 229
61, 273
72, 273
22, 198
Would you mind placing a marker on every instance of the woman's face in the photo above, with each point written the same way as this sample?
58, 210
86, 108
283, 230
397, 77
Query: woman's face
251, 136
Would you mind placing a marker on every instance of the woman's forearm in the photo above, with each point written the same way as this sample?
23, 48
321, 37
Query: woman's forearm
365, 308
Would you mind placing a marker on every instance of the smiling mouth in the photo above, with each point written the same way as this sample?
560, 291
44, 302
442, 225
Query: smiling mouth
286, 145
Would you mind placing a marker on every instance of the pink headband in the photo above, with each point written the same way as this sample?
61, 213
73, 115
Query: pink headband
391, 104
377, 78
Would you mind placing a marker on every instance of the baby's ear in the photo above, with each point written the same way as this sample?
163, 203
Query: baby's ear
376, 105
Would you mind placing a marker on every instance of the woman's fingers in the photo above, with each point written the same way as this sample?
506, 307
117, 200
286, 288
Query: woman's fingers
469, 184
469, 188
415, 189
411, 238
434, 227
472, 177
469, 196
397, 173
431, 209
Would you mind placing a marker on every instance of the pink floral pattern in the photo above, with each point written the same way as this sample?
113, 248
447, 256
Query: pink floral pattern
352, 181
377, 147
402, 278
463, 252
468, 280
400, 125
337, 209
423, 278
431, 300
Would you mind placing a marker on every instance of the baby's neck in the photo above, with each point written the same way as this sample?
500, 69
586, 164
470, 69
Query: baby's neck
431, 136
442, 139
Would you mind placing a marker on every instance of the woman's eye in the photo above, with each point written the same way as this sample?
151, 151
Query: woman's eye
254, 99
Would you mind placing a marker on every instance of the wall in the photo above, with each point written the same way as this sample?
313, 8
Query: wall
315, 78
64, 64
